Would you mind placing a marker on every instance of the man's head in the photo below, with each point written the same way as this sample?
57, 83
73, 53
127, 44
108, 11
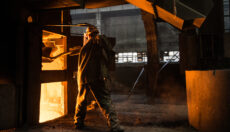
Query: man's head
92, 31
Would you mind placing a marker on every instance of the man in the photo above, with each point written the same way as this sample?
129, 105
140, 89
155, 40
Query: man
92, 75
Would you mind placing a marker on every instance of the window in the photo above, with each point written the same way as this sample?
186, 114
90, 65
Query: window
131, 57
226, 15
172, 56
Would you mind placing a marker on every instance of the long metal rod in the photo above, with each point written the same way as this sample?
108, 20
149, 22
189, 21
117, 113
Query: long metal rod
99, 105
130, 91
167, 63
142, 70
73, 25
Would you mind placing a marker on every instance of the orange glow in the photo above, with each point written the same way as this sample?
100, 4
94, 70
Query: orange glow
58, 44
103, 3
162, 13
198, 22
52, 101
143, 4
170, 18
30, 19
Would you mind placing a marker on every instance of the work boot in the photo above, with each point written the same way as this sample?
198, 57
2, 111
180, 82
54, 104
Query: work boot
79, 125
117, 129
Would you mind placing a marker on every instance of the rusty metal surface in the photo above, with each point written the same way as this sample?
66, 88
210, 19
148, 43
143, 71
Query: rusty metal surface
178, 12
208, 99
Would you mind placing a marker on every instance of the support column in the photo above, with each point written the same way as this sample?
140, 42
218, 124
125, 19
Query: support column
152, 53
33, 84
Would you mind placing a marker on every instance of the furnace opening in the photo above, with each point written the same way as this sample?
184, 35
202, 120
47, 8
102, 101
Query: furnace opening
53, 99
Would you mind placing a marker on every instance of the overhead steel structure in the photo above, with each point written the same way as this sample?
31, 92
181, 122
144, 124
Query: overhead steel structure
179, 13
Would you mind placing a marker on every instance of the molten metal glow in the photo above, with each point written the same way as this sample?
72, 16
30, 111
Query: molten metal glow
58, 44
53, 95
52, 101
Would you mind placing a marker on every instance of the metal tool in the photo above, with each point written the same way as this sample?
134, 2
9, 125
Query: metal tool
130, 91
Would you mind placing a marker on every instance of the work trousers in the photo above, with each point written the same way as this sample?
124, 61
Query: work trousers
101, 93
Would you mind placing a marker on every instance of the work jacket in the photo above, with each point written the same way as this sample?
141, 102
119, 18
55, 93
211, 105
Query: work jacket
93, 61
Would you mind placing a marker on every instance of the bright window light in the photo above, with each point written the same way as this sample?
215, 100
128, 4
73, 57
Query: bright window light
131, 57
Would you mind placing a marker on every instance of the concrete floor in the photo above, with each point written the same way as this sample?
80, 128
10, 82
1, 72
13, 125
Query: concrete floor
135, 114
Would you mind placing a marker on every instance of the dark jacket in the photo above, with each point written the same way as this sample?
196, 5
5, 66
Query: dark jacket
92, 61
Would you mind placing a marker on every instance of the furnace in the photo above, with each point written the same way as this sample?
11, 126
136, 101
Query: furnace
53, 99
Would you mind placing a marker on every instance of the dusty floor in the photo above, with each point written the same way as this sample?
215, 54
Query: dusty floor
135, 114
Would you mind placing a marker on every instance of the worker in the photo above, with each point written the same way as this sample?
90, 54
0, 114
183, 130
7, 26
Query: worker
92, 76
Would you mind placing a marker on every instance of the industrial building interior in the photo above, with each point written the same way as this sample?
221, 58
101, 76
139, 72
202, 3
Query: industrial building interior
171, 67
